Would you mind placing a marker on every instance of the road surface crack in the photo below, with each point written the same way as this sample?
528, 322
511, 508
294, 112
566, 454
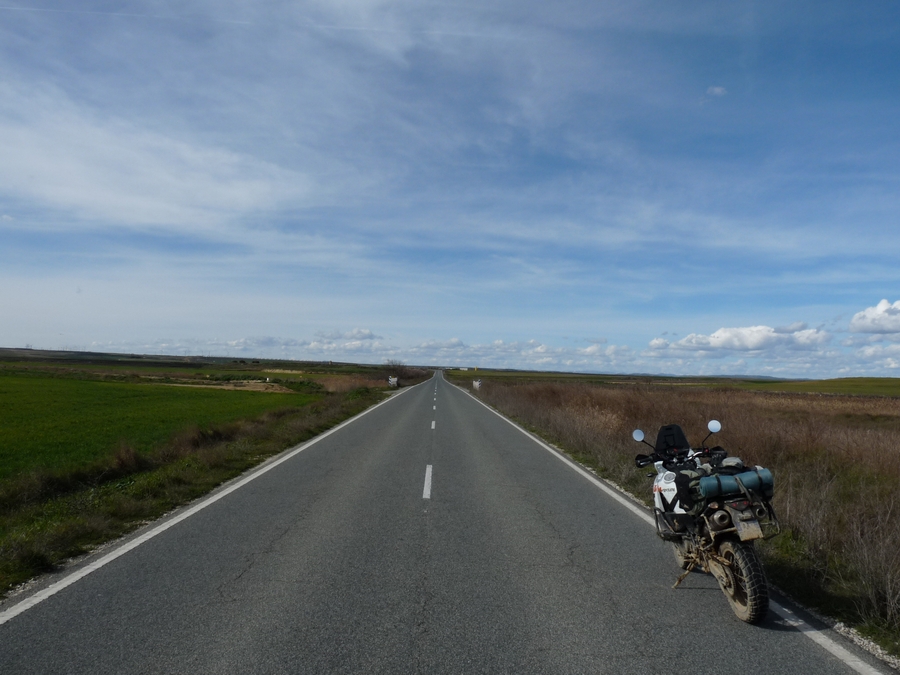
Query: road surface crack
249, 562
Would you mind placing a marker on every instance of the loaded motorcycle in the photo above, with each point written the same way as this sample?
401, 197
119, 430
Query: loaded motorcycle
712, 508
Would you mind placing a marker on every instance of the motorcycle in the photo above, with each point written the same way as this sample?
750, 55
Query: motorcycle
712, 509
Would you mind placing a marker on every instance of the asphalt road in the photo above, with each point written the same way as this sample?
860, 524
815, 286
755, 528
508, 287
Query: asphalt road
338, 561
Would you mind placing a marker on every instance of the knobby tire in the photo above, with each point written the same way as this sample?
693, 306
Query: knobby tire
746, 587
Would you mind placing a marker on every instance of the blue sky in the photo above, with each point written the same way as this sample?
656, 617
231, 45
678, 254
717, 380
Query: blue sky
662, 187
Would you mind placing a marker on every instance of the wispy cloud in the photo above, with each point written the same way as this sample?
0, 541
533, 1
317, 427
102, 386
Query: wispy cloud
133, 15
356, 334
77, 163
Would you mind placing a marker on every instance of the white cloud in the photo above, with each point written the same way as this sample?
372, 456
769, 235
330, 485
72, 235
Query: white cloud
880, 351
747, 339
453, 344
882, 318
792, 328
716, 91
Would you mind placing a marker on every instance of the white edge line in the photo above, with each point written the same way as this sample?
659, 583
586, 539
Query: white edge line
823, 640
70, 579
426, 493
786, 614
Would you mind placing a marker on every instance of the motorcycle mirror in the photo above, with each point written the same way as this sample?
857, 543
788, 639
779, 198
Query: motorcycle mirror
714, 426
638, 435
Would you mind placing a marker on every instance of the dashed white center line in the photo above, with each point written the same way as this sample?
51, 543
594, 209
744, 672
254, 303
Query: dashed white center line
434, 407
432, 424
426, 493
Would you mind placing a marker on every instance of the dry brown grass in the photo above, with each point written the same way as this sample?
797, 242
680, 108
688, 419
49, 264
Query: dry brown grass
344, 383
836, 461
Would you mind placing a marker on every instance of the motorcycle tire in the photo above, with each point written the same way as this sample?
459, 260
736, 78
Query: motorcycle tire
745, 582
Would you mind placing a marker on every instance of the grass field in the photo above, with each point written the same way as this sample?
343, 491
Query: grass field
66, 423
856, 386
92, 445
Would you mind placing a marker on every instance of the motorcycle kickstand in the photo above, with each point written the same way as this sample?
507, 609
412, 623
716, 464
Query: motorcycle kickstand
689, 569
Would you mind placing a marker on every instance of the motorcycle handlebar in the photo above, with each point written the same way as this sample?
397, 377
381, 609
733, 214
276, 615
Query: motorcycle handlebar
645, 460
681, 457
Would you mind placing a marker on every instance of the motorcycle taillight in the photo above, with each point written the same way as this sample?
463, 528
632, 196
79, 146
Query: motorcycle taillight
739, 504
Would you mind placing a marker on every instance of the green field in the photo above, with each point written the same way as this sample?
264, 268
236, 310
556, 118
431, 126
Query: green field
858, 386
60, 424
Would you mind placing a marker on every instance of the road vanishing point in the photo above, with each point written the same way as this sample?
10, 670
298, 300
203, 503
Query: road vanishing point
427, 535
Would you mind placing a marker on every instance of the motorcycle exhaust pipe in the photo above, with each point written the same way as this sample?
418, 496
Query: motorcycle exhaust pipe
721, 519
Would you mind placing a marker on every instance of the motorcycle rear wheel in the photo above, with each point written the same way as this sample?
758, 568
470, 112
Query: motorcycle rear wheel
744, 582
